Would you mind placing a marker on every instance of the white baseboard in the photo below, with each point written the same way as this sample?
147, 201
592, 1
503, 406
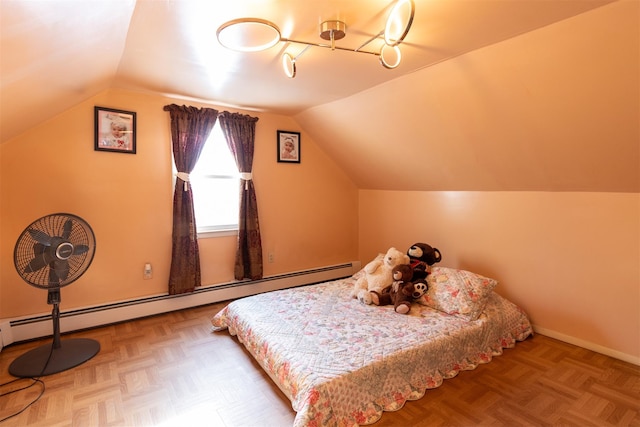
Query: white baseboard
38, 326
588, 345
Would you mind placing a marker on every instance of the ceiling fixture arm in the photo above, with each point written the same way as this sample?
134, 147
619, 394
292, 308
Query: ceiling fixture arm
327, 46
253, 34
377, 36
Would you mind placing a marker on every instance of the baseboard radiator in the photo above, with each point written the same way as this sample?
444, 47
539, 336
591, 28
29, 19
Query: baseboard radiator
38, 326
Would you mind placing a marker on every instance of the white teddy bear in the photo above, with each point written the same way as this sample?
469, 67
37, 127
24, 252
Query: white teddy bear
378, 274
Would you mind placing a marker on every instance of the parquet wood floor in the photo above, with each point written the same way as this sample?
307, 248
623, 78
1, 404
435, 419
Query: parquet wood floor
171, 370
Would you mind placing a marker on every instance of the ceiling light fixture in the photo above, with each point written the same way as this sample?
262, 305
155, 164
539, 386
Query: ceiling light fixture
253, 34
390, 56
398, 22
248, 35
289, 63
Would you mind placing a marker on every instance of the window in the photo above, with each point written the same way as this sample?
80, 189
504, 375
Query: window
215, 181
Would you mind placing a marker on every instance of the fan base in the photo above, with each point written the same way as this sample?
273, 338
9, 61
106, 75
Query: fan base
71, 353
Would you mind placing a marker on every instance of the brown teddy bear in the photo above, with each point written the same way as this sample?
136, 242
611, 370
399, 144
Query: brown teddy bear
401, 292
422, 256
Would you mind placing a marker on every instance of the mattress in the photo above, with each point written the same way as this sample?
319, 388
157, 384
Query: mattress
343, 363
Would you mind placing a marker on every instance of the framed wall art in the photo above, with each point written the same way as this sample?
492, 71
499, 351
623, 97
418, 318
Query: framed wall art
115, 130
288, 146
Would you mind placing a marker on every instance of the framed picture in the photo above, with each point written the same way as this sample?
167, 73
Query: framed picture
115, 130
288, 146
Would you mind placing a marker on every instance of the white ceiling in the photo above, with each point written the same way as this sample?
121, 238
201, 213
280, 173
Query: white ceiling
57, 53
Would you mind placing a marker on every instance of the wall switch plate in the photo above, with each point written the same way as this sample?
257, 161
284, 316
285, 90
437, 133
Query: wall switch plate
147, 273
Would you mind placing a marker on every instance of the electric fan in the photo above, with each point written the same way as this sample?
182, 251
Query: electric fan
53, 252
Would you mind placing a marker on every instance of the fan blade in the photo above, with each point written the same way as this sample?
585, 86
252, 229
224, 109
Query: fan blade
61, 268
41, 258
67, 229
39, 249
40, 237
80, 249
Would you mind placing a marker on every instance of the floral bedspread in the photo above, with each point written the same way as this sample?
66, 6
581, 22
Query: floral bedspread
342, 363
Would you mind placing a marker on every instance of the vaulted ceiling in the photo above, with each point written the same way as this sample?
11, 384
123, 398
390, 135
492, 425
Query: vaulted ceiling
469, 68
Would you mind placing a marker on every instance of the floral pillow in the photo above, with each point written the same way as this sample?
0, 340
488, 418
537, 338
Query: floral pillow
457, 292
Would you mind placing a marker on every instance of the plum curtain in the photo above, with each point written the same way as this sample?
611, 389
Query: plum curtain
239, 131
190, 128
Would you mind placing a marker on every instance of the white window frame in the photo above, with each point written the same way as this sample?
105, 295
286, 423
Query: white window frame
218, 230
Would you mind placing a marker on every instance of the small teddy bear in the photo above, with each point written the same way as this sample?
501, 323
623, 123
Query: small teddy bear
378, 274
401, 293
422, 256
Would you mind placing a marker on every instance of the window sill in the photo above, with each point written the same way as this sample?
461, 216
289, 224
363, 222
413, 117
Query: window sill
209, 234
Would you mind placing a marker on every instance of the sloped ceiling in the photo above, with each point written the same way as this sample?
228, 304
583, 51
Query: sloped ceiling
453, 111
557, 109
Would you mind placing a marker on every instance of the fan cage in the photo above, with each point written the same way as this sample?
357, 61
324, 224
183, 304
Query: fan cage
53, 225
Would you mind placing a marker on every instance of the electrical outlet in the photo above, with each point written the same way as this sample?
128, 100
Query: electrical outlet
271, 257
147, 273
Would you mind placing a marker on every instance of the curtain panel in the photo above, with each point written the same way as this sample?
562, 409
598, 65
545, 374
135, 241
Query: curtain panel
190, 129
239, 131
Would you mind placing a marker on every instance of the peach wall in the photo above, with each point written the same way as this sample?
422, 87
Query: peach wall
571, 260
304, 208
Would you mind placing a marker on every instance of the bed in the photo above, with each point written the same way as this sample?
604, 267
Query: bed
343, 363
